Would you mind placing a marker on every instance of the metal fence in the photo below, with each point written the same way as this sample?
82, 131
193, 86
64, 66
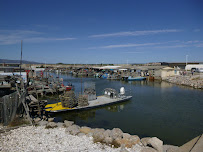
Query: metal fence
9, 106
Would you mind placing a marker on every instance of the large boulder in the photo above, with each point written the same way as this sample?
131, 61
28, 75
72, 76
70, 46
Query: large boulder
128, 141
51, 125
73, 130
42, 123
123, 149
50, 119
108, 137
116, 133
60, 124
126, 136
68, 123
148, 149
98, 134
153, 142
194, 145
85, 130
108, 140
170, 148
81, 134
36, 120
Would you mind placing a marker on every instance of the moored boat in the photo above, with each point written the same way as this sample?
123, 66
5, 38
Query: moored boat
109, 97
136, 78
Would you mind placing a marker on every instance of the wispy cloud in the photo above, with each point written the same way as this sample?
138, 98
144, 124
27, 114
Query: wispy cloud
171, 46
15, 36
44, 39
199, 45
134, 52
123, 45
135, 33
191, 42
128, 45
158, 45
196, 30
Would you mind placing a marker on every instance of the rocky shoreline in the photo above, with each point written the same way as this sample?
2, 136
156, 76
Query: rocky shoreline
195, 81
67, 136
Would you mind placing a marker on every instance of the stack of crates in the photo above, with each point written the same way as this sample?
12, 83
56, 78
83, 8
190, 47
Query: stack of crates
83, 100
68, 99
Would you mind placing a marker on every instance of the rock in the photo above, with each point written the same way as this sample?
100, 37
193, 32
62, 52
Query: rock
123, 149
34, 139
50, 119
60, 124
107, 133
98, 135
107, 137
85, 130
36, 120
126, 136
81, 134
108, 140
51, 125
42, 123
194, 145
153, 142
90, 134
68, 123
134, 139
140, 143
73, 130
147, 149
116, 133
44, 117
128, 142
170, 148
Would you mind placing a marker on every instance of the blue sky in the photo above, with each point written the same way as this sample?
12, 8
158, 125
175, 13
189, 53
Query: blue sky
107, 31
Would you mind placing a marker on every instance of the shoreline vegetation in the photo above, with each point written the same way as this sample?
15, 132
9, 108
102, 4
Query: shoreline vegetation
67, 136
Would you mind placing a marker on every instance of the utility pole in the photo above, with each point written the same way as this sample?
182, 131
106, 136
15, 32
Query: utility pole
186, 59
21, 56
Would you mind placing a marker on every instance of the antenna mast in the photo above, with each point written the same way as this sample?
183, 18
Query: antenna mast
21, 55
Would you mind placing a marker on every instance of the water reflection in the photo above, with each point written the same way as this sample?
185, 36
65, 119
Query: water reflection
159, 84
88, 114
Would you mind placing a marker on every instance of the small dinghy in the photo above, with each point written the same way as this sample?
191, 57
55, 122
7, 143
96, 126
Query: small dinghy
136, 78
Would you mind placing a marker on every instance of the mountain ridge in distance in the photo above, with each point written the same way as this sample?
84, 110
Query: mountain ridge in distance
18, 61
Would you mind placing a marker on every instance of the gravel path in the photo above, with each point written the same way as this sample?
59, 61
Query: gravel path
38, 139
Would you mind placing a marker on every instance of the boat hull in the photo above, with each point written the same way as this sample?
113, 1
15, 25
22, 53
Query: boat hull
137, 79
99, 102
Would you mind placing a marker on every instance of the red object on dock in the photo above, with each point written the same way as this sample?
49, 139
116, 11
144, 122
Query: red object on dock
68, 88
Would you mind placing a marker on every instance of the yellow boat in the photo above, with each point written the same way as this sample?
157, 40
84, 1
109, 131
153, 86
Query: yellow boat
100, 101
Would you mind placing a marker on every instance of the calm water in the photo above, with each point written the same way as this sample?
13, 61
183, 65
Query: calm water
169, 112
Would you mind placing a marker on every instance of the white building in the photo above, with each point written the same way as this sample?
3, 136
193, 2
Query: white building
196, 67
164, 72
